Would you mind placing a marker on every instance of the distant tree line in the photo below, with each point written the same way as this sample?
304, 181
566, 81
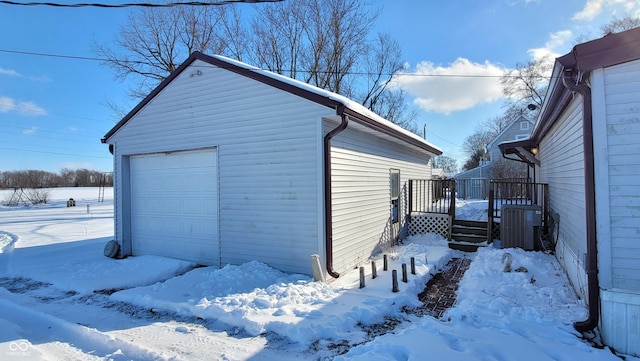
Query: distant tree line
65, 178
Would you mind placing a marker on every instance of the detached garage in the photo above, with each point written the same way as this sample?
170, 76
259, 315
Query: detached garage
224, 163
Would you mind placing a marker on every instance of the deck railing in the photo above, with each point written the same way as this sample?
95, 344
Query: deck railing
473, 188
519, 192
432, 196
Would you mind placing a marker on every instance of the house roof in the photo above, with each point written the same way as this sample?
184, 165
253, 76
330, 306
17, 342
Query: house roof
354, 110
517, 120
612, 49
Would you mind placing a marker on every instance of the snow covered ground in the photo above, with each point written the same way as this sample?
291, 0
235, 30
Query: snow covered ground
61, 299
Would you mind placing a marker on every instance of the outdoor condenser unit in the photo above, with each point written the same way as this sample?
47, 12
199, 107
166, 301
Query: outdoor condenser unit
520, 225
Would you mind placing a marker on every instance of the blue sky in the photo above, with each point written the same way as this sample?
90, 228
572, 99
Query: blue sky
53, 111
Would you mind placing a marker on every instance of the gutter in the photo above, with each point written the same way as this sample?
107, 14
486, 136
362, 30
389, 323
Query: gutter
328, 209
583, 89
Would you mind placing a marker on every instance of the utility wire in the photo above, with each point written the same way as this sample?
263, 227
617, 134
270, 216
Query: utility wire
126, 5
56, 153
75, 57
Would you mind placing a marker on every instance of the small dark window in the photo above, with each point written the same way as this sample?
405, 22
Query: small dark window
394, 178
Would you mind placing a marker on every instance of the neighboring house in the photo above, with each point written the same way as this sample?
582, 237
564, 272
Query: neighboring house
520, 128
474, 183
586, 146
438, 173
224, 163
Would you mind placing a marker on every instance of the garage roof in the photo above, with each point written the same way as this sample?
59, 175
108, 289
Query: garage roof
354, 110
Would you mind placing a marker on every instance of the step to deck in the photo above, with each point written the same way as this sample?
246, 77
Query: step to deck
468, 235
466, 246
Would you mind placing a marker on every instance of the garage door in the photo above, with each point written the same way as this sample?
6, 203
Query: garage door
174, 205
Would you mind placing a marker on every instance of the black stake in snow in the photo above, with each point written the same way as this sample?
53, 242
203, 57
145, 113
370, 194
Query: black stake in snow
413, 266
374, 270
404, 273
361, 277
394, 281
384, 262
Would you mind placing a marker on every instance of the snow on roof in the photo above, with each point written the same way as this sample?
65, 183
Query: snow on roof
355, 106
367, 116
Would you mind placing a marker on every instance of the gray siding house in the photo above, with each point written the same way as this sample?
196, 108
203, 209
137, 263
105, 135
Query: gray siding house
587, 140
474, 183
224, 163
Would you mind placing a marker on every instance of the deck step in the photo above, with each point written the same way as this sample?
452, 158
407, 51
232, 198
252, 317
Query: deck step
469, 230
467, 223
467, 235
465, 247
470, 238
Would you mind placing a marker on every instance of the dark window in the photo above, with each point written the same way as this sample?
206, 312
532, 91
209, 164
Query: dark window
394, 180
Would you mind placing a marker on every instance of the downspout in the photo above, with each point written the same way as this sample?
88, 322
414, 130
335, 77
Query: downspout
590, 203
328, 211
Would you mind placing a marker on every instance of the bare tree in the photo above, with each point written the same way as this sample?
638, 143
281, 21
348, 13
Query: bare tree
35, 179
278, 38
328, 44
381, 94
617, 25
448, 164
154, 41
525, 86
497, 124
474, 159
320, 42
476, 143
508, 169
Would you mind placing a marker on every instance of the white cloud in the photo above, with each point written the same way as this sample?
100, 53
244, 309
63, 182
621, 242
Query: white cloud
6, 104
23, 107
30, 108
556, 41
460, 85
42, 78
593, 8
30, 130
9, 72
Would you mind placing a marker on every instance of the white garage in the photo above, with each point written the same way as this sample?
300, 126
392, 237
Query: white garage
224, 163
174, 205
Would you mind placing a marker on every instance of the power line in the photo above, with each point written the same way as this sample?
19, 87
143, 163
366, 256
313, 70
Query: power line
127, 5
439, 137
61, 55
56, 153
76, 57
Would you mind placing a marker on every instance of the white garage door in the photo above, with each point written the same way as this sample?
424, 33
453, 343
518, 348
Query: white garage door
174, 206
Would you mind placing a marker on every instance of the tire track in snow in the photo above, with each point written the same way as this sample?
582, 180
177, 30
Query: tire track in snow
41, 328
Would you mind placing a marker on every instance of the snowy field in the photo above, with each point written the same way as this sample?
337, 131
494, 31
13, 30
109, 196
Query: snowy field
61, 299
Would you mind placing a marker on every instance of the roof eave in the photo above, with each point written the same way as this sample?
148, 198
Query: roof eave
260, 76
150, 96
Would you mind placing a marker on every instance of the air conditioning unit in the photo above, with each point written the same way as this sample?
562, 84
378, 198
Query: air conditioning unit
520, 225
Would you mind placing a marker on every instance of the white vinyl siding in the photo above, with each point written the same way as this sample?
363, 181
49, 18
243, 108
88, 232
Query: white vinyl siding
622, 102
361, 192
268, 153
562, 166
